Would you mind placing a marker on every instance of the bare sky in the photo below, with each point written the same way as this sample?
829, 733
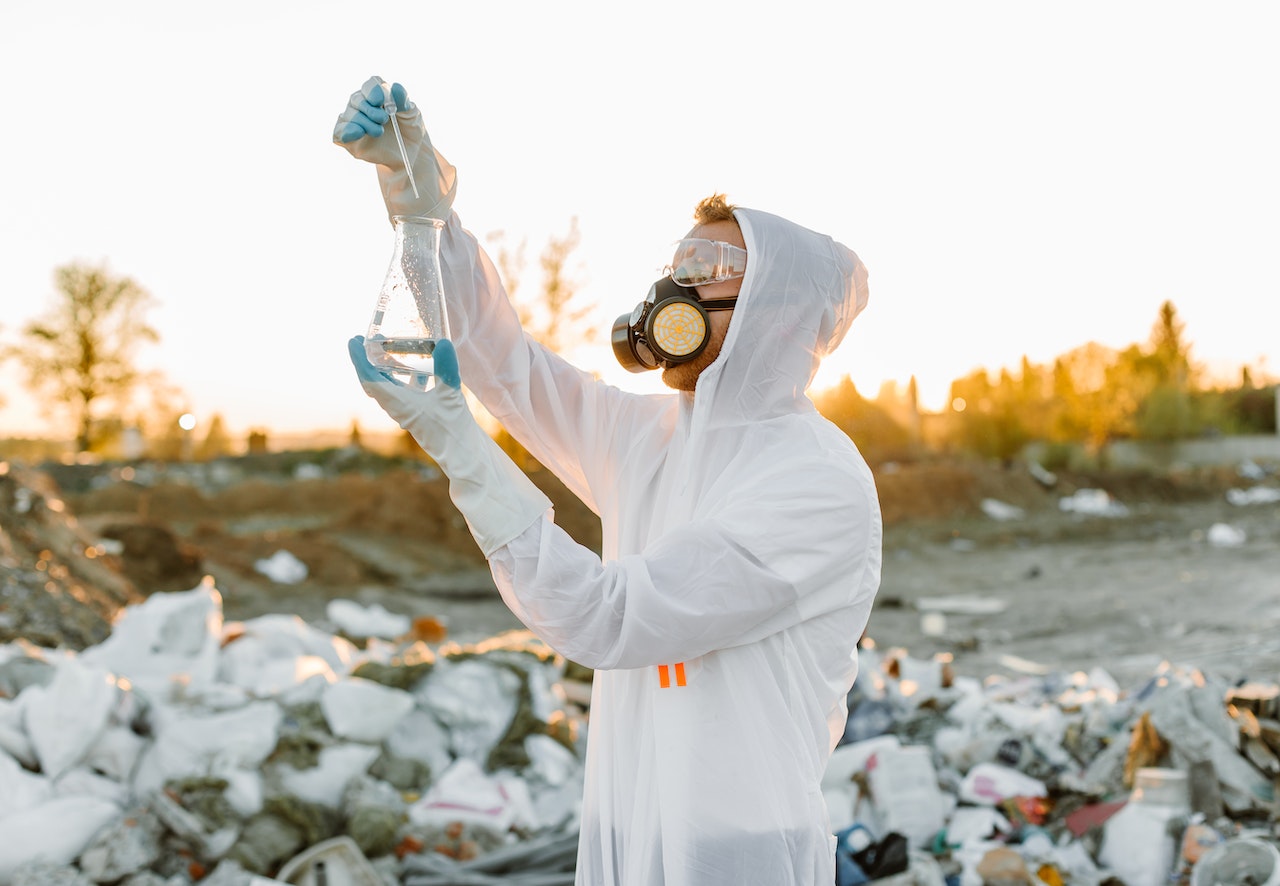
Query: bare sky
1020, 178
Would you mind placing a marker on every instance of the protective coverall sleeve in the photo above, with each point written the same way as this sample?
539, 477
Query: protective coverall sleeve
566, 418
763, 563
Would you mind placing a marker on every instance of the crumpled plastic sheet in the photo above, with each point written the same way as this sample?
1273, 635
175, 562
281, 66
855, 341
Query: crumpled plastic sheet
545, 861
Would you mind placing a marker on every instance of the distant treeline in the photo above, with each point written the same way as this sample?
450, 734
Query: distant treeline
1088, 396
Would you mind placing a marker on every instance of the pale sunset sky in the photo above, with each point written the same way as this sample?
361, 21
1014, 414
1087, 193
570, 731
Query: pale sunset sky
1019, 178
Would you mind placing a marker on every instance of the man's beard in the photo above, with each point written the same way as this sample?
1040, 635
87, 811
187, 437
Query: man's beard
684, 376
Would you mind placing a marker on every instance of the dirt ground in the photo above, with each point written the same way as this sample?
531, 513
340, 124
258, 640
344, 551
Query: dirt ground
1052, 589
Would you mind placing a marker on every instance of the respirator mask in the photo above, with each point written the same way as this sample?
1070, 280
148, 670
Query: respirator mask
671, 325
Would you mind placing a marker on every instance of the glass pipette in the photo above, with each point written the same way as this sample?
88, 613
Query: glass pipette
389, 105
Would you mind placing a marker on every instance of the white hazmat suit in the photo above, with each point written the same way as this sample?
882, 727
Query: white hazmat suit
741, 555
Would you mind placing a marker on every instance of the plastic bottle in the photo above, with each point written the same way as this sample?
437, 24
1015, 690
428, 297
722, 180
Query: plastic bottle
410, 316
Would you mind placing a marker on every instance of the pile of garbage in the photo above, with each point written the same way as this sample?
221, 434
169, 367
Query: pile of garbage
187, 748
1061, 778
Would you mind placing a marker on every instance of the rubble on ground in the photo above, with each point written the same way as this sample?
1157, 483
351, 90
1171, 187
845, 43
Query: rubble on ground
151, 741
182, 745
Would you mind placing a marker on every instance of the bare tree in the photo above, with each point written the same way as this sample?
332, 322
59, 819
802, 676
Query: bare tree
81, 352
552, 316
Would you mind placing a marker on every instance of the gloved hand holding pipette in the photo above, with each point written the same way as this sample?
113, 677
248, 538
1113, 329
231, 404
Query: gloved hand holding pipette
415, 179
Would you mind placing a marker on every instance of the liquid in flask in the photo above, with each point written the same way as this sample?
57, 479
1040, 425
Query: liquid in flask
410, 316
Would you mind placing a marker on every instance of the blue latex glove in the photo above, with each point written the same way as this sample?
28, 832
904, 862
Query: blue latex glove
369, 117
361, 129
498, 500
445, 357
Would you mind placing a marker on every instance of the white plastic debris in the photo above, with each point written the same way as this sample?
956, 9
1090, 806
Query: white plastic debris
21, 789
167, 640
1044, 477
1257, 495
475, 700
13, 737
66, 718
362, 710
905, 787
282, 567
989, 784
273, 653
355, 620
969, 824
325, 782
419, 736
1092, 502
465, 793
962, 604
1224, 535
193, 744
308, 471
56, 831
1251, 470
999, 510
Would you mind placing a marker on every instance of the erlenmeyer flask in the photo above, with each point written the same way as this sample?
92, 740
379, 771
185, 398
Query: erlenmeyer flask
410, 317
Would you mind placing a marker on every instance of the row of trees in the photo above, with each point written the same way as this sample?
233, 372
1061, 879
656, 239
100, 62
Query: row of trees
80, 358
1090, 395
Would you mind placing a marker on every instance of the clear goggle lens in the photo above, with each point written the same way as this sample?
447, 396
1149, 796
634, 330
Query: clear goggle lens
698, 262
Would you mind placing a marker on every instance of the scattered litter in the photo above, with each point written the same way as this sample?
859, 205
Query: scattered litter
1046, 478
1257, 495
962, 605
308, 471
1224, 535
1251, 470
1092, 502
282, 567
998, 510
933, 624
363, 622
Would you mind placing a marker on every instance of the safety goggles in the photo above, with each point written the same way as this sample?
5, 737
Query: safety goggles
698, 262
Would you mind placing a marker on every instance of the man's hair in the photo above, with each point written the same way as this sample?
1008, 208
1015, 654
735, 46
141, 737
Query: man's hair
713, 209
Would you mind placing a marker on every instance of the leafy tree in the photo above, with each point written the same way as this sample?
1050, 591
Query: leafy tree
1166, 411
993, 421
879, 438
81, 353
1170, 352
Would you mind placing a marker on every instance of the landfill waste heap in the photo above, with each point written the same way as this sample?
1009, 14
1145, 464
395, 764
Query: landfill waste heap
157, 742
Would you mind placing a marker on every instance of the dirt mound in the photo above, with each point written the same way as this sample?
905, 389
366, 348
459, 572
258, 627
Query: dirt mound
383, 529
930, 491
58, 585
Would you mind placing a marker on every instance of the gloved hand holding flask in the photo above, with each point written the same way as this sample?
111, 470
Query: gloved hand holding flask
498, 500
362, 130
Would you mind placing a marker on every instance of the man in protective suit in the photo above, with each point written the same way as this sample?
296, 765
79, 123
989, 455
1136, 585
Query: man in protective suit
741, 530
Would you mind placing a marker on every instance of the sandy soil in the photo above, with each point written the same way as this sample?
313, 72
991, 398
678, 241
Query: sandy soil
1123, 593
